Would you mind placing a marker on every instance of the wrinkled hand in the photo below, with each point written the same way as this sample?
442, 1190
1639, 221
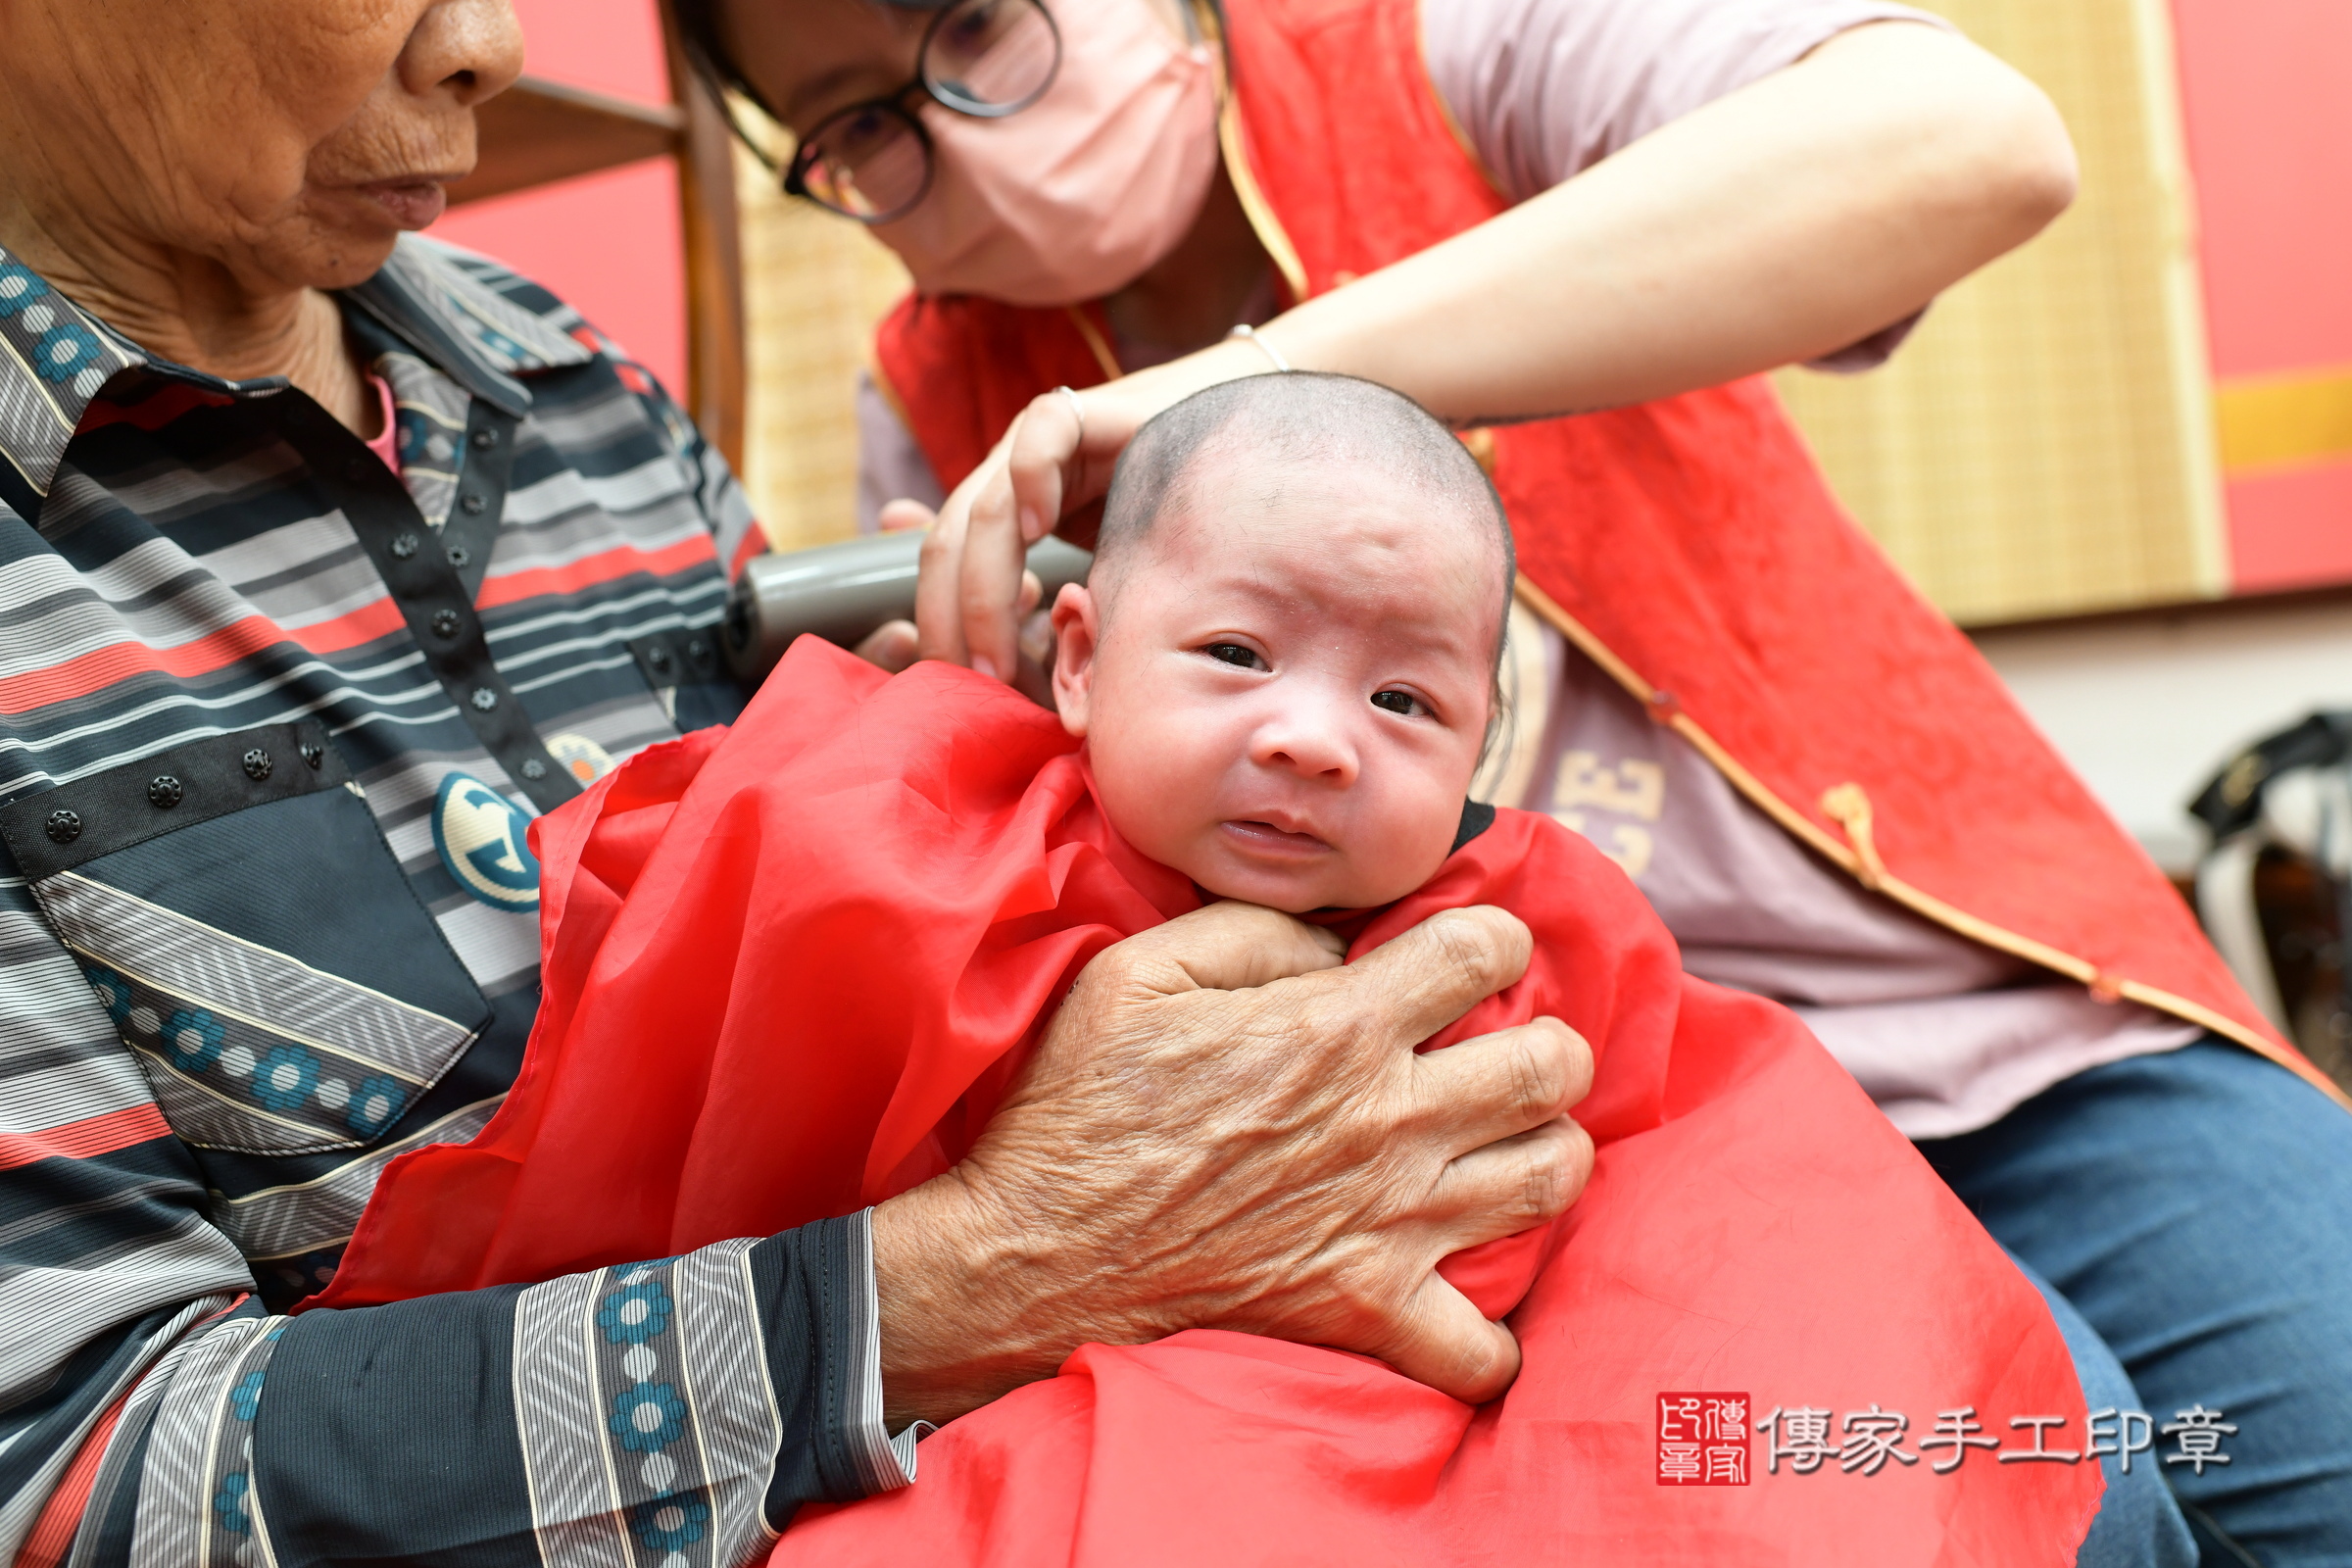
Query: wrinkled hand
1043, 475
1226, 1128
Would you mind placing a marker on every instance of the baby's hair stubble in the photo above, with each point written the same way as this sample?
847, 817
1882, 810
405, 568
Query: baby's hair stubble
1299, 416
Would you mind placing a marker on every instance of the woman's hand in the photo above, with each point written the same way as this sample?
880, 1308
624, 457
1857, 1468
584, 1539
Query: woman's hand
1224, 1128
1048, 468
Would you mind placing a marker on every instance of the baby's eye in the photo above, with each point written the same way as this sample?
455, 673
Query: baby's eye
1235, 654
1404, 703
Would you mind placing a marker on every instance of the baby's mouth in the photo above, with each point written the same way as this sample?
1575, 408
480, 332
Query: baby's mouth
1266, 838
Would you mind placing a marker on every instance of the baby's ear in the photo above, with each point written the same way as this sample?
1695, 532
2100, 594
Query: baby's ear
1077, 636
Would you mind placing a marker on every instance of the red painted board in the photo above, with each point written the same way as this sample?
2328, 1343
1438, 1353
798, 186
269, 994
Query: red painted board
2269, 123
610, 243
2266, 91
2291, 530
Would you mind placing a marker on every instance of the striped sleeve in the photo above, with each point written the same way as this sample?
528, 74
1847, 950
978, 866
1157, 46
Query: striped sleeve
671, 1412
106, 1258
658, 1414
668, 1412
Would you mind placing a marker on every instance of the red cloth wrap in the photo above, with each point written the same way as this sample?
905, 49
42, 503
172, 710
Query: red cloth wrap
790, 967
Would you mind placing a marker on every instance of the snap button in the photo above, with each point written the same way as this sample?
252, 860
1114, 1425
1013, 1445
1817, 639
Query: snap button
474, 505
534, 770
402, 546
658, 655
314, 755
445, 623
484, 698
256, 765
164, 792
484, 439
701, 655
63, 827
458, 556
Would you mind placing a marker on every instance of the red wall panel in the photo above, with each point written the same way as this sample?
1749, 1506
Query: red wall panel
610, 243
2266, 93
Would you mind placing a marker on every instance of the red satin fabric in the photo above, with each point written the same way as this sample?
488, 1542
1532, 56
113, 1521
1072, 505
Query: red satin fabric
790, 968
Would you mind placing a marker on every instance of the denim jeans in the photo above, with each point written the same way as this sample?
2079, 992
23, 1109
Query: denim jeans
2191, 1216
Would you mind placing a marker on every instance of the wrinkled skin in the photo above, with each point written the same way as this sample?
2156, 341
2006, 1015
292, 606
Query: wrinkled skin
1225, 1128
202, 188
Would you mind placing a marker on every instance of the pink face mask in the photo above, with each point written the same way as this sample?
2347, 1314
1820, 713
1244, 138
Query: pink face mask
1078, 194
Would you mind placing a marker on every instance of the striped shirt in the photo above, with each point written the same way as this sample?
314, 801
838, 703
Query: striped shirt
273, 718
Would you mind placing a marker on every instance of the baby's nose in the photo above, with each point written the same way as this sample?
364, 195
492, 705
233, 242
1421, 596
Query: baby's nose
1310, 742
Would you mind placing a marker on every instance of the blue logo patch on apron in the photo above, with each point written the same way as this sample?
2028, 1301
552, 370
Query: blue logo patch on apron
479, 835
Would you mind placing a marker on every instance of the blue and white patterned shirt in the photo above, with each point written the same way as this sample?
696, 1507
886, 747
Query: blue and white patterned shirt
273, 718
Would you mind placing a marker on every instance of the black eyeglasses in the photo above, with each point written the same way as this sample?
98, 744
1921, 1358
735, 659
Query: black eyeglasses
873, 161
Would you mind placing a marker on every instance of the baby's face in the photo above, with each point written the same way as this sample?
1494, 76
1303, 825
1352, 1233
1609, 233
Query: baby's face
1291, 691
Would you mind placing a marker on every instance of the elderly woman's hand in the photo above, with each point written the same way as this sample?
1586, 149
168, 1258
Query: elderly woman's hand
1225, 1128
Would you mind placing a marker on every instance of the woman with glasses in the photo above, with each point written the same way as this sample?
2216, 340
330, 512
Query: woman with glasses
1579, 229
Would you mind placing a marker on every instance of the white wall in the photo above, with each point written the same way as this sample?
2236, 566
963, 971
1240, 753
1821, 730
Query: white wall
2148, 710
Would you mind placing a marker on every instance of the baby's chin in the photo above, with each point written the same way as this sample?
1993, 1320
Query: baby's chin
1307, 891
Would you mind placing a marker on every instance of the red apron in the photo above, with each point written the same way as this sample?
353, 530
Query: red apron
1690, 547
791, 968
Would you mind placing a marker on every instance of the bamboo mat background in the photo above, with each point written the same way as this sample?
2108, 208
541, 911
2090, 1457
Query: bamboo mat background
2044, 442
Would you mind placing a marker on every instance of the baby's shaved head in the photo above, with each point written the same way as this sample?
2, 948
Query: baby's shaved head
1303, 418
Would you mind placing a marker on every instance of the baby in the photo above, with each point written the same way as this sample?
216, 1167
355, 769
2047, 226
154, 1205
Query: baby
793, 968
1283, 664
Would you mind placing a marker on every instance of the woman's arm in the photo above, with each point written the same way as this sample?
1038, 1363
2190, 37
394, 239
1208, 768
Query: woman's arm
1778, 224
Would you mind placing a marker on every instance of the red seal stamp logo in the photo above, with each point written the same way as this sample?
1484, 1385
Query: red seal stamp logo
1702, 1439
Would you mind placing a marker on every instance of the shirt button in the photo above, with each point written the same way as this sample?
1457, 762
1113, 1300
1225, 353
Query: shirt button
701, 656
472, 505
534, 770
164, 792
256, 765
484, 439
63, 827
402, 546
658, 655
484, 698
458, 556
445, 623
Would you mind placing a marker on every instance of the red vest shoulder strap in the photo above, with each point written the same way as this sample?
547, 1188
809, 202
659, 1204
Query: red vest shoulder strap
962, 370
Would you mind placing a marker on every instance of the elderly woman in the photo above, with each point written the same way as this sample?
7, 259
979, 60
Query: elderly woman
330, 558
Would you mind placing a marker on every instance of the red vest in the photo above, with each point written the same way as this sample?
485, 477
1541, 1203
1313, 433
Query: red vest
1690, 547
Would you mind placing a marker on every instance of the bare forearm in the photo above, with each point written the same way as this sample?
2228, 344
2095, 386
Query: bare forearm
1783, 222
955, 1332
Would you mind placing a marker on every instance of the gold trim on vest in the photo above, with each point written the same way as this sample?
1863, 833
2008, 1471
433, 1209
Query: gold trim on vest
1850, 861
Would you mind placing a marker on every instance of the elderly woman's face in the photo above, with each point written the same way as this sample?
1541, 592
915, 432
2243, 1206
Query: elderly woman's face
290, 140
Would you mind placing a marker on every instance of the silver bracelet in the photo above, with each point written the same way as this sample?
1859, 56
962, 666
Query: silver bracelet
1263, 347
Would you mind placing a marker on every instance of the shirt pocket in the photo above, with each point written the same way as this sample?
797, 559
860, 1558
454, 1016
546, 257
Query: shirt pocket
239, 915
